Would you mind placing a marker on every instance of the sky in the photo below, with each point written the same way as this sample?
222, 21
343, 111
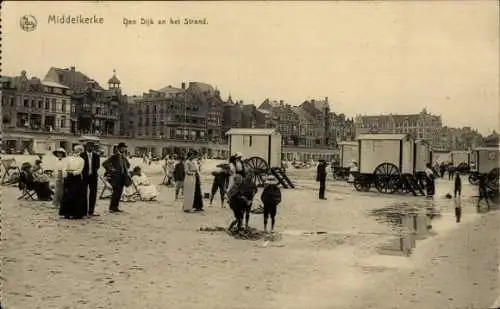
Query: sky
366, 57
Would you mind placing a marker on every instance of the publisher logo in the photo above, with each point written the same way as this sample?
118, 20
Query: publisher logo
28, 23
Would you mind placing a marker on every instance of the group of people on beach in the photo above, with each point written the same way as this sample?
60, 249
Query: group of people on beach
231, 180
76, 180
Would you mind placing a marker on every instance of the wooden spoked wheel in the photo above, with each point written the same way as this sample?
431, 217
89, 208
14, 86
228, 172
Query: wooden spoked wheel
492, 179
387, 178
258, 168
362, 183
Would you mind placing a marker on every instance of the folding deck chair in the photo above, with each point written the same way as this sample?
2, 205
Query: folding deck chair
105, 189
135, 196
27, 194
9, 168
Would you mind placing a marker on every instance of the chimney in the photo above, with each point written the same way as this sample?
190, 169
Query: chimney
281, 102
183, 85
72, 69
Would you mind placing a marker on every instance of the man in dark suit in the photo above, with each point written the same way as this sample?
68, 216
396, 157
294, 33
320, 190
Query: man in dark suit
321, 178
117, 167
90, 175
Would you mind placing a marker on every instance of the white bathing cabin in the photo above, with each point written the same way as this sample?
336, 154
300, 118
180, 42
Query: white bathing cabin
398, 149
460, 156
264, 143
422, 154
349, 151
487, 159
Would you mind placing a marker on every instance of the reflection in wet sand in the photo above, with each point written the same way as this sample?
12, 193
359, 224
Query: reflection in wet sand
409, 224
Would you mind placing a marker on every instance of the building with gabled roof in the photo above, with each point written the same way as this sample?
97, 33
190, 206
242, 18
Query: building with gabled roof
96, 110
32, 105
71, 78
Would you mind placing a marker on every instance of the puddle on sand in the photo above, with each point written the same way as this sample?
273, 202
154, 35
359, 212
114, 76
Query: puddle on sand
408, 222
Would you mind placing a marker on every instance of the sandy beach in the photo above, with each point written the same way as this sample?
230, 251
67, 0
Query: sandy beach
154, 256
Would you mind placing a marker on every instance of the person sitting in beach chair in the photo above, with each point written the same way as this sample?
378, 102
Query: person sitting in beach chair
145, 190
28, 183
11, 171
38, 172
27, 188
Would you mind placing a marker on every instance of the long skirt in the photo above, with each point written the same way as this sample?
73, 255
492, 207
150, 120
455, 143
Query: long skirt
73, 202
198, 197
189, 192
58, 192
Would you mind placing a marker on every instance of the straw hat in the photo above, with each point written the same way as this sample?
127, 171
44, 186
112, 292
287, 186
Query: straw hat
59, 150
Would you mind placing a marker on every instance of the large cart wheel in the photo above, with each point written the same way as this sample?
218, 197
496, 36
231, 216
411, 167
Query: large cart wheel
387, 178
258, 168
492, 179
362, 182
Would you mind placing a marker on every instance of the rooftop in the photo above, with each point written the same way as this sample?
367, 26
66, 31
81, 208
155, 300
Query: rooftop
170, 90
53, 84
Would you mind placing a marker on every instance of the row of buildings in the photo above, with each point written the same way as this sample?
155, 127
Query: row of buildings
67, 101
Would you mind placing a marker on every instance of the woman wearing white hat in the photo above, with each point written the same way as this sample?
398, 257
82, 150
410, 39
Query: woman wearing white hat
60, 170
236, 166
73, 203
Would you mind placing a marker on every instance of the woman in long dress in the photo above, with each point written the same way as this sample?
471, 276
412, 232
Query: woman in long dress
60, 170
73, 204
192, 186
146, 189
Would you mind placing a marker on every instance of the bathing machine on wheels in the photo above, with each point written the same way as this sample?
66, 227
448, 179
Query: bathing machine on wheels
261, 149
488, 165
391, 163
348, 154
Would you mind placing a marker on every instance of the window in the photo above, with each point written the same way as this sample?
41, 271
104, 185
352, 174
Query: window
40, 103
63, 106
54, 106
63, 122
33, 103
11, 101
247, 141
26, 102
47, 104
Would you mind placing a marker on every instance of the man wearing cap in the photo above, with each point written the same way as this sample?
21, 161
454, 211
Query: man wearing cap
321, 178
89, 173
117, 167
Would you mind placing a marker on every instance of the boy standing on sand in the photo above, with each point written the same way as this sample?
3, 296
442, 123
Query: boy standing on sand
178, 175
271, 197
